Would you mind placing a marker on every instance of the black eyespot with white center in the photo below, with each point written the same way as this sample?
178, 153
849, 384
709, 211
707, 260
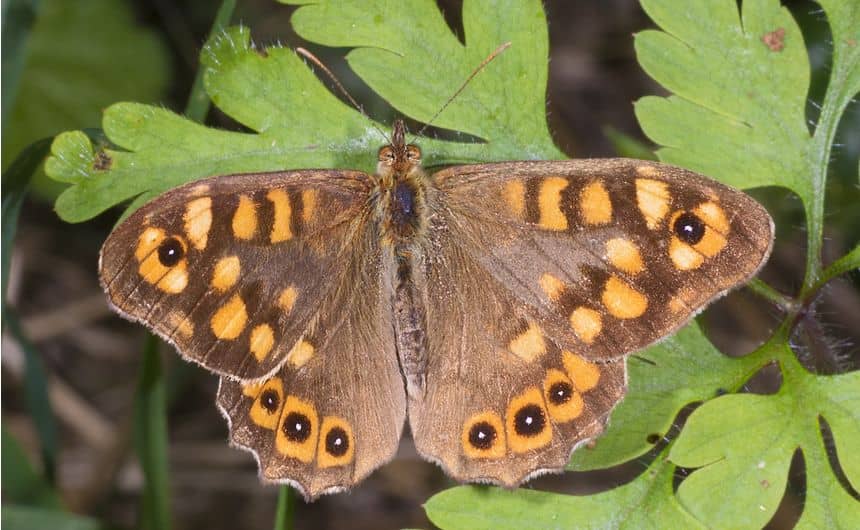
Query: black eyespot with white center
297, 427
170, 252
482, 435
336, 441
270, 401
560, 393
689, 228
529, 420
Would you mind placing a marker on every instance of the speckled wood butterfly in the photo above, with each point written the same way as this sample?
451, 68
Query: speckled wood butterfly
493, 304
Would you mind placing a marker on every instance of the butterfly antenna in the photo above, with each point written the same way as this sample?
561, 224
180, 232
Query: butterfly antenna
313, 58
475, 72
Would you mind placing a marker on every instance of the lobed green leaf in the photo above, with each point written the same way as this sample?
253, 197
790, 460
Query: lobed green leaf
646, 502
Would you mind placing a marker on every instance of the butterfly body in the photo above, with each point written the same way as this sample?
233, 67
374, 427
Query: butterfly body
493, 305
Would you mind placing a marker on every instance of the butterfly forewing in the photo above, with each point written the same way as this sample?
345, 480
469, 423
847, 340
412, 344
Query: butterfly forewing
232, 270
608, 255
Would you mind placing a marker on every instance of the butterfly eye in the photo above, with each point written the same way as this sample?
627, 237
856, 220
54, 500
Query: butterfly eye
270, 400
689, 228
529, 420
560, 393
563, 402
386, 154
170, 252
482, 435
336, 445
297, 427
336, 442
413, 153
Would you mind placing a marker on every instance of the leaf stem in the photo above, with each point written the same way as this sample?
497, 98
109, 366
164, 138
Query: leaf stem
198, 101
769, 293
151, 439
846, 263
284, 510
833, 106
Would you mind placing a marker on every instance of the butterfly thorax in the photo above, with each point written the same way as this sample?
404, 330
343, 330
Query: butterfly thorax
401, 193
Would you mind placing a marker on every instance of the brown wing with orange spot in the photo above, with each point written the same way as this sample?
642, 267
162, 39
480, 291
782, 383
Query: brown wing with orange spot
540, 278
232, 270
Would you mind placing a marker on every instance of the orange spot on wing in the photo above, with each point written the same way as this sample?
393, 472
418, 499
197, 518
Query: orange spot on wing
228, 322
268, 402
244, 223
595, 204
336, 444
198, 221
622, 300
298, 430
652, 198
624, 255
527, 422
529, 345
585, 375
549, 204
684, 257
281, 230
514, 193
309, 204
563, 402
262, 340
301, 353
551, 286
586, 323
226, 273
287, 298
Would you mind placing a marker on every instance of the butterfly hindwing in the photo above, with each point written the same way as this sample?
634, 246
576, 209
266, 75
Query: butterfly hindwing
232, 270
500, 402
335, 413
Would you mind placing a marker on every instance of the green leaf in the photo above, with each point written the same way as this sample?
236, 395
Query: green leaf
18, 19
664, 378
20, 482
27, 518
16, 184
737, 106
646, 502
504, 103
298, 123
70, 72
748, 441
36, 394
628, 146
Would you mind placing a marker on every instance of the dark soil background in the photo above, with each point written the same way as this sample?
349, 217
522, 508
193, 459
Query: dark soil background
93, 357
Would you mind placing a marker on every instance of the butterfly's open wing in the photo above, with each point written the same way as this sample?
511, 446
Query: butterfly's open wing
539, 279
287, 302
326, 421
232, 270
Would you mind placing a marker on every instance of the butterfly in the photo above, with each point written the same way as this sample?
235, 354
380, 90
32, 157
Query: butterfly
493, 305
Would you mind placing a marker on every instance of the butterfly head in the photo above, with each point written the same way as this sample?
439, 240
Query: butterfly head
398, 161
